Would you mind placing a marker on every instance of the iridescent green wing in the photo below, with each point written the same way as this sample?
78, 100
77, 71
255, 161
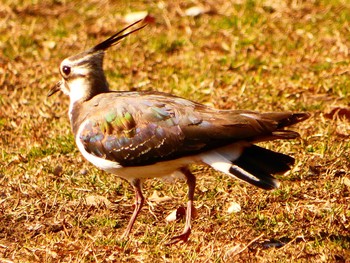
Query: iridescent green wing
136, 132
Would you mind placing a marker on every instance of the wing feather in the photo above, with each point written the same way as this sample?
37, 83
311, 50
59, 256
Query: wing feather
141, 128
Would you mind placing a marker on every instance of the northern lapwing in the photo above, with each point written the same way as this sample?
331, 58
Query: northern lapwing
149, 134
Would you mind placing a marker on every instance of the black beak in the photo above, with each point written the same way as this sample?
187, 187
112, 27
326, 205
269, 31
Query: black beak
55, 89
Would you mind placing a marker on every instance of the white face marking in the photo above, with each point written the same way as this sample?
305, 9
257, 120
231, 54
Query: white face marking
64, 88
78, 88
77, 91
80, 71
74, 82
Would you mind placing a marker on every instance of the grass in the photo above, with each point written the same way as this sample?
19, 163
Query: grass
258, 55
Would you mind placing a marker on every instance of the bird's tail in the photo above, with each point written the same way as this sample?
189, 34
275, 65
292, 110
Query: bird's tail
249, 163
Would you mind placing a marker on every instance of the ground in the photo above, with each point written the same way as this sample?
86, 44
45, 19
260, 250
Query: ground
258, 55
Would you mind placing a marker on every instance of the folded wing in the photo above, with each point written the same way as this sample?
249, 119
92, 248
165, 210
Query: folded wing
147, 128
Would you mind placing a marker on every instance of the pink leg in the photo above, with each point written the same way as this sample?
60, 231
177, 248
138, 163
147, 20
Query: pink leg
191, 182
139, 201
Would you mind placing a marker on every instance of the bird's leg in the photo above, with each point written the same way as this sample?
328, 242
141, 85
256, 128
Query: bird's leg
191, 182
139, 201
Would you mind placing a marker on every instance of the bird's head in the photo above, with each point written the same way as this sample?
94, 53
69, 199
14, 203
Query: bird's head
82, 74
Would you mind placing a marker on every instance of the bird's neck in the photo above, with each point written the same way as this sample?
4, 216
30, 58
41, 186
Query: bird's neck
76, 115
83, 91
98, 85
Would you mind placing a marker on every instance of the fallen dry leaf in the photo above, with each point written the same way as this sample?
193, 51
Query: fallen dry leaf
180, 213
234, 208
176, 214
196, 11
233, 251
156, 198
346, 181
339, 112
58, 170
135, 16
97, 200
172, 216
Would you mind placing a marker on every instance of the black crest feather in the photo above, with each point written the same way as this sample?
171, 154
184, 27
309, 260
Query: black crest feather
116, 37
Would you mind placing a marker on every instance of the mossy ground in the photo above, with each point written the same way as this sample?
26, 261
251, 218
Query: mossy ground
258, 55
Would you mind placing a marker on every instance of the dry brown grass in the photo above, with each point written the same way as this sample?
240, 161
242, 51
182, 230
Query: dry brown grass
259, 55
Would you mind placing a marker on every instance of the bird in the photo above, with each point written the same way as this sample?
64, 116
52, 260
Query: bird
140, 135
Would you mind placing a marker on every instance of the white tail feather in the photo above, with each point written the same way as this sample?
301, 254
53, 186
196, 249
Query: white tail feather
217, 161
221, 163
222, 160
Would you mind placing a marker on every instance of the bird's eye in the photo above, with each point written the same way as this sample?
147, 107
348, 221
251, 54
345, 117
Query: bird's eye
66, 70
